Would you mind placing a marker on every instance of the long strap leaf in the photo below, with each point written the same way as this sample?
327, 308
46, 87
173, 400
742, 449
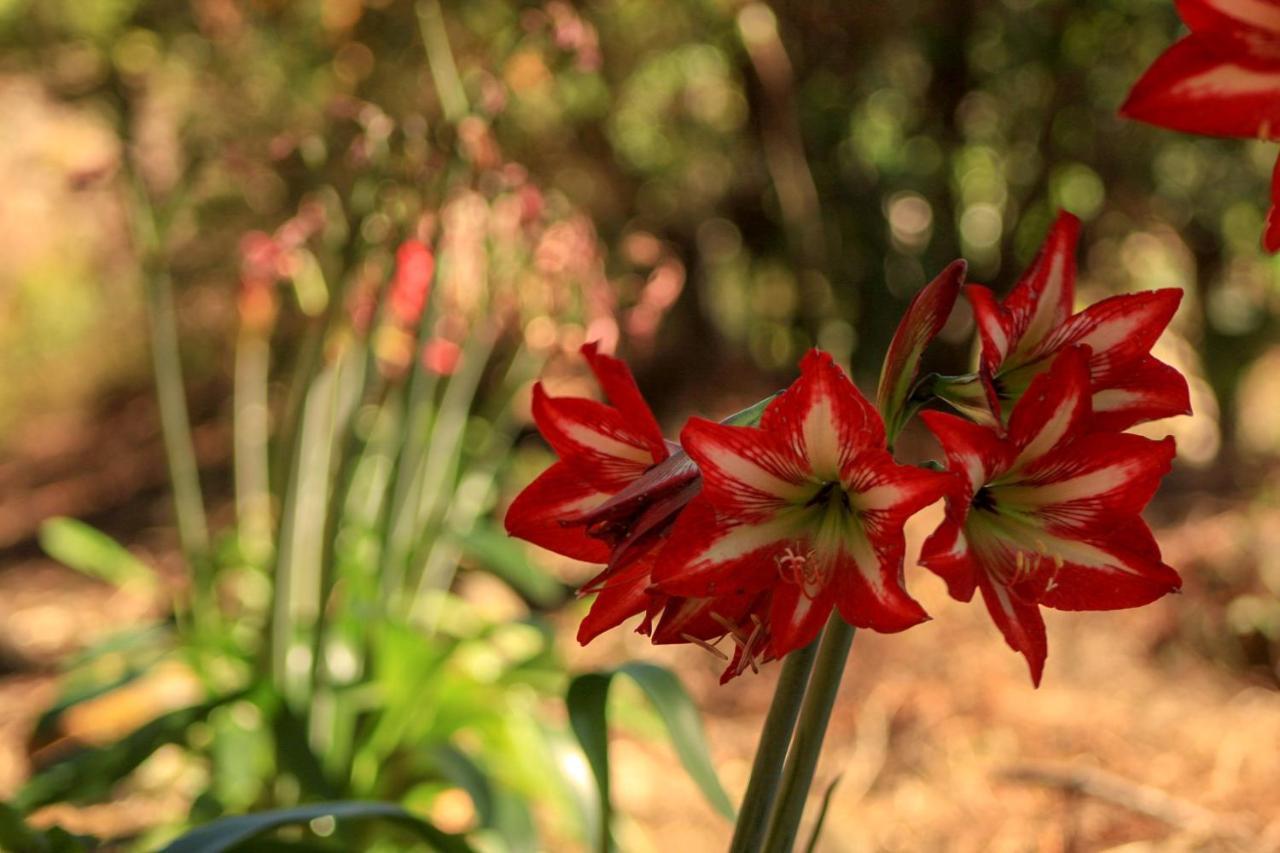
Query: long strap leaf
587, 700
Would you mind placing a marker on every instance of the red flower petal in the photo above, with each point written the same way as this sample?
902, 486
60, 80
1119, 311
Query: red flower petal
925, 317
557, 494
795, 619
1147, 391
711, 555
1119, 331
620, 387
869, 593
1043, 298
1246, 19
745, 470
1111, 572
946, 554
1093, 484
1195, 88
995, 327
623, 596
1054, 409
594, 439
823, 417
1020, 623
975, 453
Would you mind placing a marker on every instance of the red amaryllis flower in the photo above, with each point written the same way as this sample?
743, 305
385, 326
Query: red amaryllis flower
1047, 515
612, 496
925, 317
1022, 334
1221, 80
807, 508
602, 449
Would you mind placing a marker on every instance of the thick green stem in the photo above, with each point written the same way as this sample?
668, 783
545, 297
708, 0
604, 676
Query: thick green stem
819, 699
772, 749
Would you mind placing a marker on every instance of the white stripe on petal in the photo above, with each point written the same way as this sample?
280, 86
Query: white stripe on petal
878, 498
1227, 81
749, 473
604, 444
1257, 13
1050, 434
1090, 485
745, 538
819, 430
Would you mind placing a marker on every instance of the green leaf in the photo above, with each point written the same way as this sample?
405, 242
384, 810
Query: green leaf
508, 561
587, 699
230, 832
92, 552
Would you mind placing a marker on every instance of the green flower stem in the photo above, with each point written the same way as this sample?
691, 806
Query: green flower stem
772, 750
815, 713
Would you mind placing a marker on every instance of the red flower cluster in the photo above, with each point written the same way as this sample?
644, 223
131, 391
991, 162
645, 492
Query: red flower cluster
1223, 79
758, 528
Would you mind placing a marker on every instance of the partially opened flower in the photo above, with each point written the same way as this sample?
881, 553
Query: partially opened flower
806, 509
1221, 80
1048, 514
609, 499
1022, 333
925, 317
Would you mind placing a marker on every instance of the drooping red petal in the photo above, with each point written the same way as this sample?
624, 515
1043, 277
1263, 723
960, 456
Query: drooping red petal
1119, 331
925, 317
1020, 623
711, 555
1043, 298
620, 387
974, 453
1271, 236
1092, 484
823, 417
1118, 570
1195, 88
946, 554
1147, 391
558, 494
746, 471
1054, 409
592, 438
623, 596
1248, 20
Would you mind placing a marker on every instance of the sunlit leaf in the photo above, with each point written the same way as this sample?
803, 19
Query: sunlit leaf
587, 700
230, 832
94, 553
